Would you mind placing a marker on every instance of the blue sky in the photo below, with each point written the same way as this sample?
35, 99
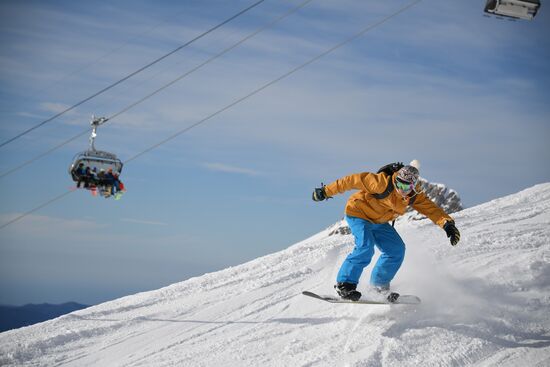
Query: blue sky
465, 94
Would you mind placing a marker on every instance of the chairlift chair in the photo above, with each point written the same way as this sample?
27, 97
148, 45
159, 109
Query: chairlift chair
100, 160
516, 9
97, 160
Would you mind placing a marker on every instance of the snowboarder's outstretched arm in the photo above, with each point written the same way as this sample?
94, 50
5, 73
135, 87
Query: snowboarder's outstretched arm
366, 181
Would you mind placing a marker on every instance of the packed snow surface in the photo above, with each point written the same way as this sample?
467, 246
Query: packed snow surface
485, 303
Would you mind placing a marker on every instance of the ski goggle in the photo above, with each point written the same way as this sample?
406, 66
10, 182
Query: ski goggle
404, 186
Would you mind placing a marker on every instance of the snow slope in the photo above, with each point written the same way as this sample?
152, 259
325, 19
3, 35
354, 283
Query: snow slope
485, 303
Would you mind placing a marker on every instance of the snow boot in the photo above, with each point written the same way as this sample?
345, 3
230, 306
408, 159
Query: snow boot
348, 291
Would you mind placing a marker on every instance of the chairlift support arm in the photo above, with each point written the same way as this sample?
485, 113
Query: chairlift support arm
95, 122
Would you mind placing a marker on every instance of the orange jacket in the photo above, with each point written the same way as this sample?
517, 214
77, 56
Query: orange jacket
363, 205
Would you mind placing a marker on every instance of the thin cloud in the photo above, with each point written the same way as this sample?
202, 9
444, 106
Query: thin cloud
53, 107
220, 167
44, 225
140, 221
31, 115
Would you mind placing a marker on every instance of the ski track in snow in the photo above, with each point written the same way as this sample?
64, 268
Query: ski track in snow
485, 303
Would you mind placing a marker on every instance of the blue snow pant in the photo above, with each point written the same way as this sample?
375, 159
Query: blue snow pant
367, 235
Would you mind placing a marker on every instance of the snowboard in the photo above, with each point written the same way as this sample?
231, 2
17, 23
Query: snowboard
404, 299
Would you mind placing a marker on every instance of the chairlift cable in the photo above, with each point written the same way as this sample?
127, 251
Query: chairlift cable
103, 56
51, 150
272, 23
226, 50
21, 216
284, 76
324, 53
130, 75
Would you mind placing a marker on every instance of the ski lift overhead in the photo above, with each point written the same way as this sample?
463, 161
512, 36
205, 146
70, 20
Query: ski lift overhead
90, 166
515, 9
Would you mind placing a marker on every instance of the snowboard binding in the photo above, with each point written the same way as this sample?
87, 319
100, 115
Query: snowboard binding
348, 291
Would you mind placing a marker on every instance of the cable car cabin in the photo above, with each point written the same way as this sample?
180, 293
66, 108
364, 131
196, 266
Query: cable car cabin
516, 9
96, 161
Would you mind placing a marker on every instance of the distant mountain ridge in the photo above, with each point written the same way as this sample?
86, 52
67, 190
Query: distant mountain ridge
443, 196
13, 317
448, 199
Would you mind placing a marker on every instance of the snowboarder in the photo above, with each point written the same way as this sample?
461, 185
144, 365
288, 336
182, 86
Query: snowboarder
382, 197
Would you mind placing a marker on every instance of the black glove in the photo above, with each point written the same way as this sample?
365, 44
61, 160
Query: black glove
452, 232
319, 194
